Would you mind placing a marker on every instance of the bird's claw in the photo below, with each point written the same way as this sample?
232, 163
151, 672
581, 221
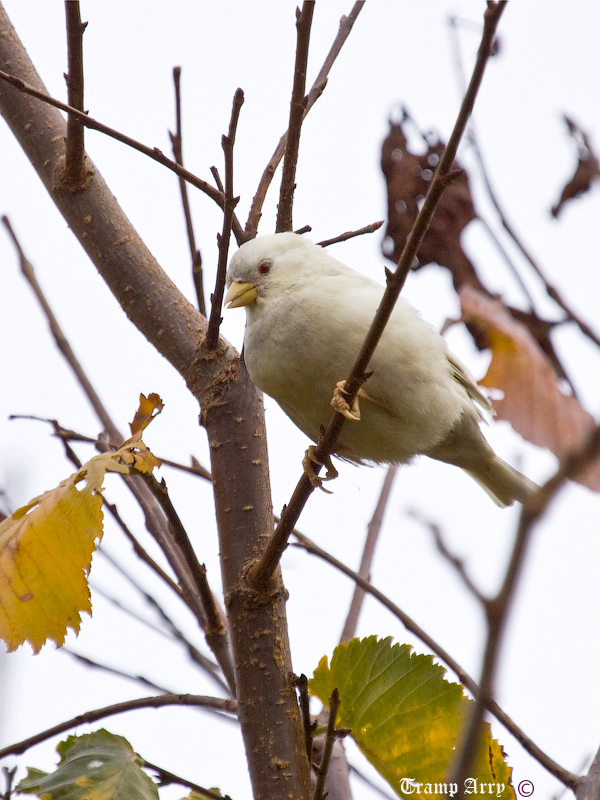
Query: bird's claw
308, 463
340, 403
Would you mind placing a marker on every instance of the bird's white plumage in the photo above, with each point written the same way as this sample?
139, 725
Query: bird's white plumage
307, 317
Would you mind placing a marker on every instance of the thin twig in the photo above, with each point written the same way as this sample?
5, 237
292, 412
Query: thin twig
214, 703
74, 143
177, 144
330, 738
155, 523
227, 142
297, 107
151, 152
61, 340
497, 608
262, 572
562, 774
308, 726
373, 530
343, 237
119, 673
171, 631
506, 224
167, 778
455, 561
346, 24
215, 627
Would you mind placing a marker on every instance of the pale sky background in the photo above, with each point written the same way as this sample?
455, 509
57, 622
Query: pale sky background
398, 52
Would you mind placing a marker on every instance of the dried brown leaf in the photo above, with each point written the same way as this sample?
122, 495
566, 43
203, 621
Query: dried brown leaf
587, 169
533, 402
408, 177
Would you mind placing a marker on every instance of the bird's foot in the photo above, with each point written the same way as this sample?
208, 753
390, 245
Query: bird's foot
309, 461
340, 403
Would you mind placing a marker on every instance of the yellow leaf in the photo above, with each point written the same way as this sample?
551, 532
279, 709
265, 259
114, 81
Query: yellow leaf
149, 408
46, 548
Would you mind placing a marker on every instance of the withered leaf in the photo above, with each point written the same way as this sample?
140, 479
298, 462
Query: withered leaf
533, 402
587, 169
408, 177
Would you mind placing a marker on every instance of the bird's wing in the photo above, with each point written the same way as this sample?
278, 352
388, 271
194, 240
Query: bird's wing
461, 374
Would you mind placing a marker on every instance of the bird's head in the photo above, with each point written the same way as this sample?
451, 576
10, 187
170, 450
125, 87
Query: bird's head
272, 263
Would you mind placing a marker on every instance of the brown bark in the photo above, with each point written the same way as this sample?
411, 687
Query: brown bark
231, 412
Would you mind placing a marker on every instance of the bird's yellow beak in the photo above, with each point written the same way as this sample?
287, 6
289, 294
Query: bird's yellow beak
240, 294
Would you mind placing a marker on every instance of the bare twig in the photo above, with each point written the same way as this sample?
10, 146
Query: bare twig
330, 739
343, 237
202, 701
364, 571
455, 561
166, 778
563, 775
214, 322
497, 608
309, 727
263, 570
74, 144
177, 144
345, 27
9, 777
152, 152
61, 340
506, 224
119, 673
170, 630
215, 627
187, 569
297, 107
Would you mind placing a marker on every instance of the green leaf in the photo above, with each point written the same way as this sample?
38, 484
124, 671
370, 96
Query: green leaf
97, 766
405, 717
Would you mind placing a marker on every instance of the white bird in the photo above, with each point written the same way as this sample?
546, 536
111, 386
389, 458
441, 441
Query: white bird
306, 318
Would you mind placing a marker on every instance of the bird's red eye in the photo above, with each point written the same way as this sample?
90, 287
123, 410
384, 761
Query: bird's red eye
264, 268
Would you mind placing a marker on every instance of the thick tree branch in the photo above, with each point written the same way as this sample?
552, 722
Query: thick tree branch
395, 282
232, 414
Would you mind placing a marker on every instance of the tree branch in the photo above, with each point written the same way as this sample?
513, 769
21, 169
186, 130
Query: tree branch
395, 282
74, 145
343, 237
227, 142
497, 608
177, 144
152, 152
297, 108
346, 24
232, 414
158, 701
364, 571
563, 775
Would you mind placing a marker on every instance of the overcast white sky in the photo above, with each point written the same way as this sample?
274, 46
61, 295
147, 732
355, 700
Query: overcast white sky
399, 52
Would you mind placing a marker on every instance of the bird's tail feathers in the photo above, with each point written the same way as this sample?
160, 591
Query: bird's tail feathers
503, 483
